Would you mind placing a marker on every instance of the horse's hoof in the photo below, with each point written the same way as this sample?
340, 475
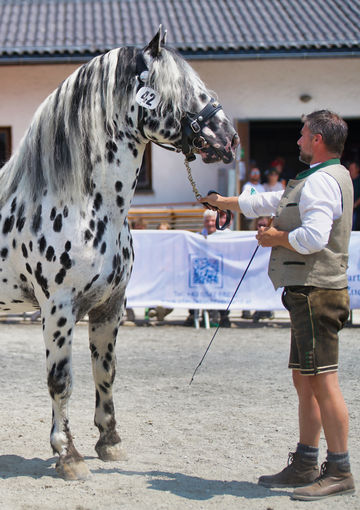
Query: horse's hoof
108, 453
73, 470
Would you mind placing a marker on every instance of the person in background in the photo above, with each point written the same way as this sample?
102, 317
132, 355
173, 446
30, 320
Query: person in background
254, 181
354, 170
272, 181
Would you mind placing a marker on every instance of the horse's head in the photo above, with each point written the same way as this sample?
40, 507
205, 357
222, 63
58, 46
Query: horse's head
176, 108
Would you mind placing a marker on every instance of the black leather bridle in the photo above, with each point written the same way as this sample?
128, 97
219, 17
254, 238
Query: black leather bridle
192, 124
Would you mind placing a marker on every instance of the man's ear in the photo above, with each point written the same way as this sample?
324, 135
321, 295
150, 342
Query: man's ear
153, 49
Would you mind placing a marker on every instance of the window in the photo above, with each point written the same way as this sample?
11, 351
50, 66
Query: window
145, 180
5, 144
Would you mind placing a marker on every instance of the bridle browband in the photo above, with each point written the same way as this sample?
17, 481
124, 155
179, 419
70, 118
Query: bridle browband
192, 124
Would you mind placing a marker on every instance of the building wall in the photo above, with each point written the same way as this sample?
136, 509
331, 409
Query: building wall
254, 89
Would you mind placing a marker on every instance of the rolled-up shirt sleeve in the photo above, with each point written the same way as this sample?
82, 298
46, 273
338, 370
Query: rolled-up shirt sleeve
320, 204
259, 204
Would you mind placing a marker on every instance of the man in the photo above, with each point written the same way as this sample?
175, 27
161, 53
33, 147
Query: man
309, 239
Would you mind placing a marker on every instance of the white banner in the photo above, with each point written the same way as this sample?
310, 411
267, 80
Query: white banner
175, 268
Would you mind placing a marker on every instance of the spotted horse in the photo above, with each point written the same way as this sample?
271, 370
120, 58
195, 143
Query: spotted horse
65, 243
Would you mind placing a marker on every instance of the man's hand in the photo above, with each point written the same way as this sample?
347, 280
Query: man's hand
215, 202
270, 237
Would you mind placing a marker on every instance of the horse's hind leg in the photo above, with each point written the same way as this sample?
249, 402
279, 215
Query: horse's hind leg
102, 337
58, 326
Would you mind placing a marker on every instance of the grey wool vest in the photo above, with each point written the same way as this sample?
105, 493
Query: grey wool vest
326, 268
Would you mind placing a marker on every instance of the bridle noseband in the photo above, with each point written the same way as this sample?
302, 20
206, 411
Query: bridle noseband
192, 124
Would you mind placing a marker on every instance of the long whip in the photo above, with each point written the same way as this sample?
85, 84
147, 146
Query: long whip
198, 195
231, 300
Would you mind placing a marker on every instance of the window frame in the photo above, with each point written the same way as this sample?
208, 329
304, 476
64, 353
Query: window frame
6, 130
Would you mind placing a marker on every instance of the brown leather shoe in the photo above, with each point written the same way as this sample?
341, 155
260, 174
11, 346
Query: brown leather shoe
331, 482
299, 472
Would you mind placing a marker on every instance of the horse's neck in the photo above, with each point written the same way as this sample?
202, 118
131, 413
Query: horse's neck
115, 178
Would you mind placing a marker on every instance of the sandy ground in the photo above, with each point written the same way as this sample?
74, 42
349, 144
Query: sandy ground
190, 447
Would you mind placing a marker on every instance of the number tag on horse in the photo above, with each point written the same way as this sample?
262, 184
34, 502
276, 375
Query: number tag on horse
148, 98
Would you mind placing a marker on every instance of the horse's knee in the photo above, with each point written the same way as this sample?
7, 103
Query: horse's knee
59, 379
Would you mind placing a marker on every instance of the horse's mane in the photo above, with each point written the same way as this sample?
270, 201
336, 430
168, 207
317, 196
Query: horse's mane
69, 130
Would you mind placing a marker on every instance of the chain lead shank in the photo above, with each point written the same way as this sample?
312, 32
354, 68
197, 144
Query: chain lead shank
192, 182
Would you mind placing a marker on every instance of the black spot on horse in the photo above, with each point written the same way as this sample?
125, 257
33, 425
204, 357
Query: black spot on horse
24, 251
59, 278
119, 201
4, 253
153, 124
65, 260
68, 246
103, 389
57, 225
110, 157
53, 214
8, 224
50, 252
61, 342
98, 201
170, 122
108, 408
118, 186
42, 281
28, 268
13, 206
37, 220
126, 253
42, 244
135, 153
111, 146
88, 235
66, 211
22, 277
61, 322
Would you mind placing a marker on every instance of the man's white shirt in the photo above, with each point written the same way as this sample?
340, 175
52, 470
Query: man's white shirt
320, 204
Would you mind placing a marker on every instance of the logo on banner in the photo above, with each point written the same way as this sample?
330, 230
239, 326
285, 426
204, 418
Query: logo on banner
206, 271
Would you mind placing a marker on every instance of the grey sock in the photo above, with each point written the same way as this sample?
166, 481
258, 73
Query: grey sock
341, 459
309, 452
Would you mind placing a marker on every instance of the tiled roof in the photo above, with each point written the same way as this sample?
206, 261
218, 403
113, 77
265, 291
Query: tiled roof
80, 28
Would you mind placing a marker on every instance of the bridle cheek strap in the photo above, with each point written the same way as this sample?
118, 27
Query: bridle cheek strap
192, 126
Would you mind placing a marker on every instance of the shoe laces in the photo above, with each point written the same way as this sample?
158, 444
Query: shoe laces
291, 458
323, 469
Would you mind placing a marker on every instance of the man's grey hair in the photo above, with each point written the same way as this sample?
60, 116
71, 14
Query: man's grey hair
331, 127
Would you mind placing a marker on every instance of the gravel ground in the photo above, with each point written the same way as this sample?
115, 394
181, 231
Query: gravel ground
189, 447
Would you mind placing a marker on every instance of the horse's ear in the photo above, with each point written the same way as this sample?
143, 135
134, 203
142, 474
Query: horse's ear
154, 46
163, 40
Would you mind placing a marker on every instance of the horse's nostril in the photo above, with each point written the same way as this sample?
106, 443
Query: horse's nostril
235, 141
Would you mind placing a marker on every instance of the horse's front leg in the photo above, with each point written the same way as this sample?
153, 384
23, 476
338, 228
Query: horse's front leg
102, 338
58, 326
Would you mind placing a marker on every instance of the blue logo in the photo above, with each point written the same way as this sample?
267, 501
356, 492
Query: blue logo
206, 271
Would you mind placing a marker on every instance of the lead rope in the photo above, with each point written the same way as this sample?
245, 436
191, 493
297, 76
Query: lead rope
192, 182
